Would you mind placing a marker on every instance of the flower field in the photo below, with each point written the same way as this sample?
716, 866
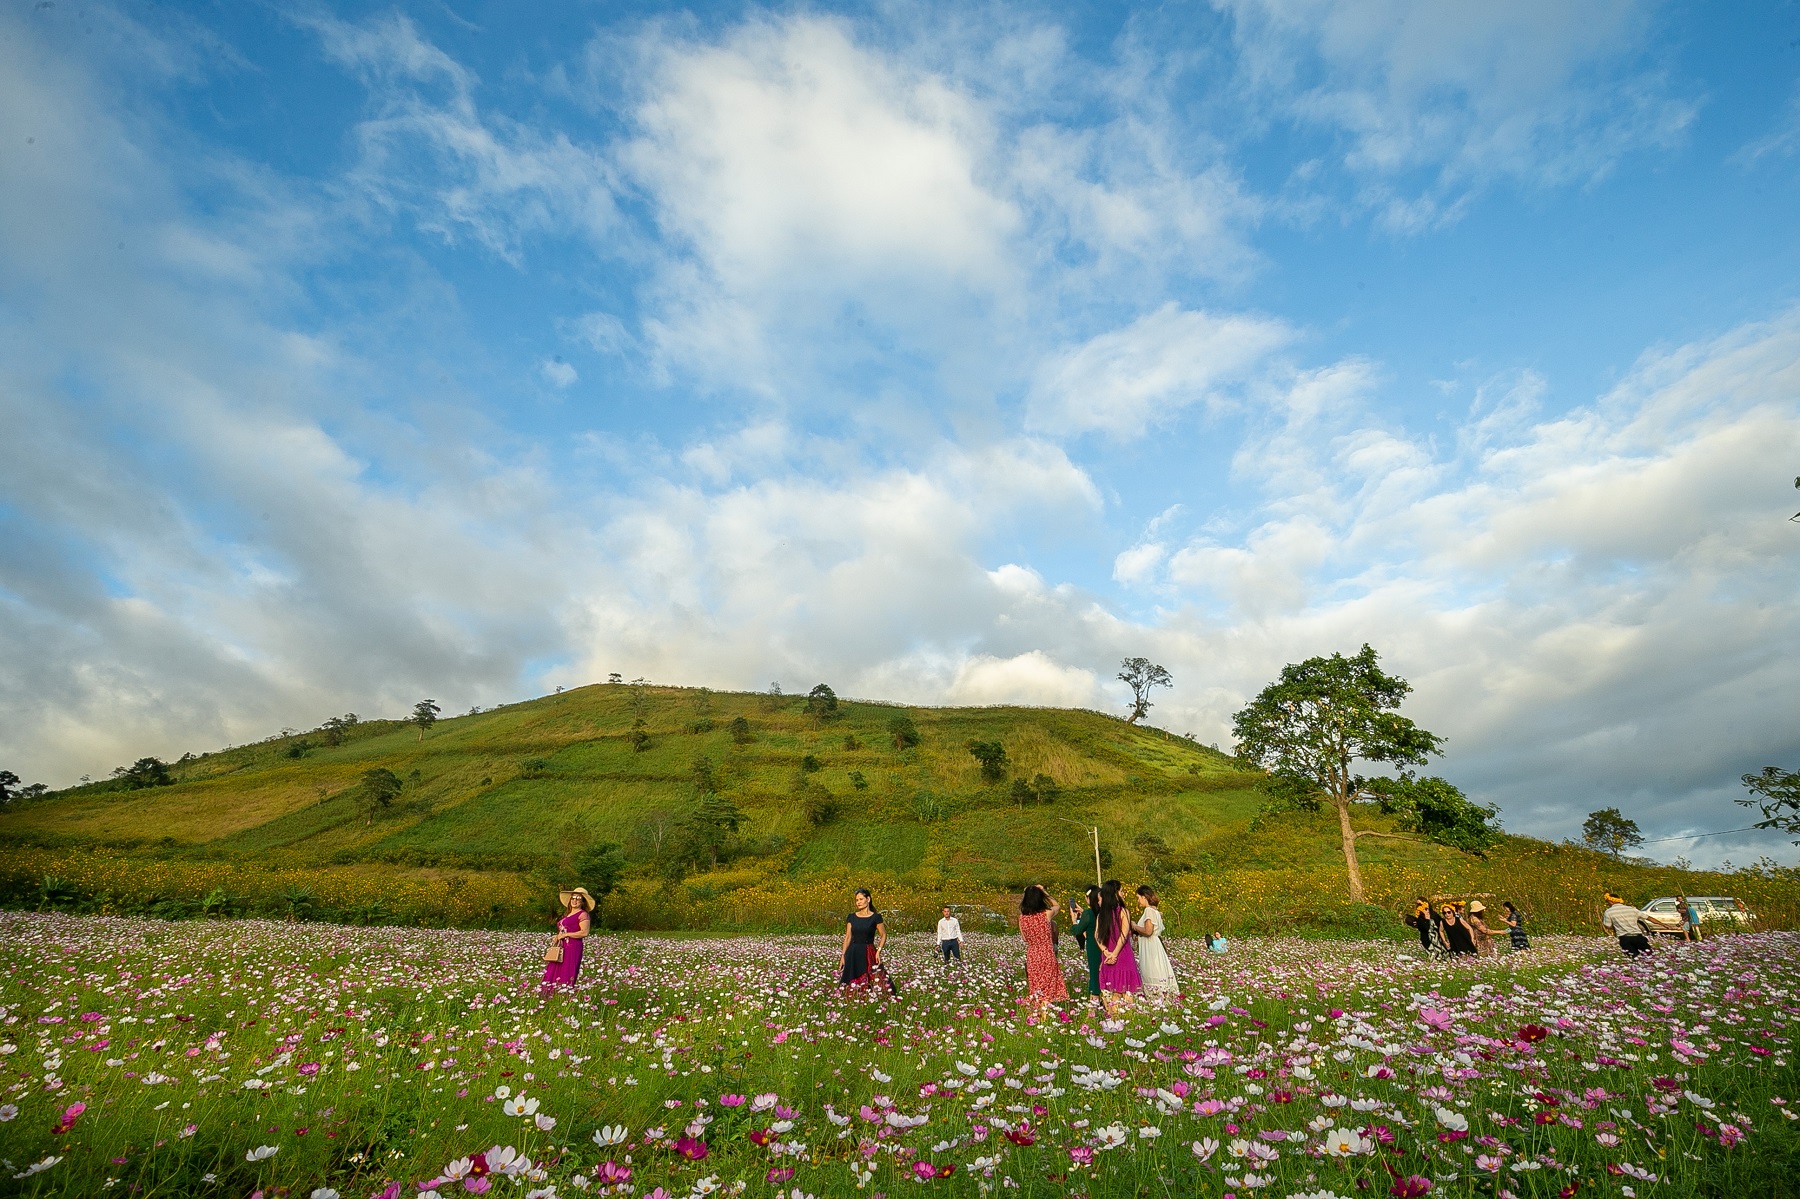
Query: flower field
146, 1058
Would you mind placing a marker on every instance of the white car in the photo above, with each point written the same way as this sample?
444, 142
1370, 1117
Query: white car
1718, 913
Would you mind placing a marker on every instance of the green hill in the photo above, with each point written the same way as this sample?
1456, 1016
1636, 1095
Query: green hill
497, 808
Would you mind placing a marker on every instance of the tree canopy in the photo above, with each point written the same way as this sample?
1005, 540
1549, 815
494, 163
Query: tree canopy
1611, 832
1777, 795
992, 756
1317, 720
1435, 808
424, 714
1141, 674
145, 772
822, 704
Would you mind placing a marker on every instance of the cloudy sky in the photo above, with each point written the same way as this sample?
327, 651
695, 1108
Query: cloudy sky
945, 352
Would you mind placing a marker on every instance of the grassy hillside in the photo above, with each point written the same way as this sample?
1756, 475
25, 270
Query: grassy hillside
497, 806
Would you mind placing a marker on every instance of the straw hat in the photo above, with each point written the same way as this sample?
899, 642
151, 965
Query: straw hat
1476, 908
587, 900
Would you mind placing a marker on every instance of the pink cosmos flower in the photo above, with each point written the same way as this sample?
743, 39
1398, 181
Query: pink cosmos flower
1081, 1155
731, 1101
691, 1149
1411, 1187
779, 1174
1436, 1018
308, 1069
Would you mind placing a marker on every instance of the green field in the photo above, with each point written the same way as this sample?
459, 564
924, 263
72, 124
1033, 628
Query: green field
497, 807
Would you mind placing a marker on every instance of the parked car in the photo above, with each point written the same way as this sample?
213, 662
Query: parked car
1718, 913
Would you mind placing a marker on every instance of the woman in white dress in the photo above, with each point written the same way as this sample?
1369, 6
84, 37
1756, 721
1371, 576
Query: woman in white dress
1153, 961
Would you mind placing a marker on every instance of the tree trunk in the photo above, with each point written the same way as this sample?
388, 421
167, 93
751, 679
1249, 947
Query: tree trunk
1356, 887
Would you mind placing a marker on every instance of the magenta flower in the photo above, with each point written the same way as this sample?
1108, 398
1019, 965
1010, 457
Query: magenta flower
693, 1150
731, 1101
1411, 1187
308, 1069
779, 1174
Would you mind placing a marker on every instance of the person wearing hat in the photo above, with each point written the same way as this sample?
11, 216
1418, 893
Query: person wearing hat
562, 962
1626, 923
1484, 936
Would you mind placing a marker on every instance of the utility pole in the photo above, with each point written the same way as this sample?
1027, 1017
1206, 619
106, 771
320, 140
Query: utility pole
1094, 831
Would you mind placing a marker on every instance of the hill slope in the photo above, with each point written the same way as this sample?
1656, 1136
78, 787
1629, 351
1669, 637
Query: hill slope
497, 807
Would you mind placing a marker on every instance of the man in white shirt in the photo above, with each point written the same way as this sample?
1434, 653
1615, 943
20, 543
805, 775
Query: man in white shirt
950, 937
1627, 924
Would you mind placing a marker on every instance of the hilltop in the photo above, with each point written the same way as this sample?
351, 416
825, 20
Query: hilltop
496, 809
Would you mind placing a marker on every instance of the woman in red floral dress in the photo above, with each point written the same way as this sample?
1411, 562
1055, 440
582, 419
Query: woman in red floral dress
1043, 974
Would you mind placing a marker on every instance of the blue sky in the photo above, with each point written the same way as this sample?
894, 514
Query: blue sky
949, 354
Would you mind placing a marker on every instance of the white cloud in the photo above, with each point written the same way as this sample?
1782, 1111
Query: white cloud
558, 373
1029, 678
430, 150
1123, 382
1542, 91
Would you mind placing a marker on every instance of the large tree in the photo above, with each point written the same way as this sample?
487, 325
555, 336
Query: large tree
1141, 674
1780, 794
1322, 716
424, 714
1611, 832
9, 783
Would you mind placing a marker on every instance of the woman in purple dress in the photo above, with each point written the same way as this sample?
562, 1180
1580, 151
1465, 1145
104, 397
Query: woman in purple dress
570, 930
1118, 966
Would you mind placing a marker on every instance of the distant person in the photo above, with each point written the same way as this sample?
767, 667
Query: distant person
1456, 935
949, 935
1043, 977
1215, 943
1085, 921
1626, 923
1421, 922
1154, 967
562, 962
1477, 922
1119, 979
864, 935
1515, 927
1690, 918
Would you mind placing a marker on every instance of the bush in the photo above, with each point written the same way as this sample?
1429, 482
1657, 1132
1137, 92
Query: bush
740, 730
904, 732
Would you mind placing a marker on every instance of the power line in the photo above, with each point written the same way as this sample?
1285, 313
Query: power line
1692, 836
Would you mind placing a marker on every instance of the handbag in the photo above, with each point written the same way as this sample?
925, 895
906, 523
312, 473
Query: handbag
554, 953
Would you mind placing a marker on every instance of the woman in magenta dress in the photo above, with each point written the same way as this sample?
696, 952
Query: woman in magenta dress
570, 930
1118, 965
1043, 974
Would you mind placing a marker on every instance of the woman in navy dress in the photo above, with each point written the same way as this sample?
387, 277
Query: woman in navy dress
864, 935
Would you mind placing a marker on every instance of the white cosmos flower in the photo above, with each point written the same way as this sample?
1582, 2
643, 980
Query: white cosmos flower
504, 1159
1149, 1132
1454, 1121
544, 1123
615, 1134
1239, 1147
1333, 1100
323, 1193
1110, 1136
1205, 1148
262, 1153
38, 1167
8, 1111
878, 1076
1344, 1142
521, 1106
458, 1169
1170, 1029
965, 1068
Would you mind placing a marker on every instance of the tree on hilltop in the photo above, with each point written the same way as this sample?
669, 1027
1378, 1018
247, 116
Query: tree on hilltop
822, 704
1780, 792
1308, 727
424, 714
1141, 674
1611, 832
9, 783
145, 772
